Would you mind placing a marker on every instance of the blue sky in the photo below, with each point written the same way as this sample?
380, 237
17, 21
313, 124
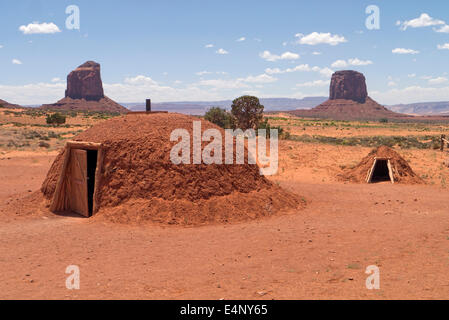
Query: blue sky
159, 49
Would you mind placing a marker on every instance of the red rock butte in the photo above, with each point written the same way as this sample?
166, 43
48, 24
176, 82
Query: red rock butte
349, 100
85, 82
348, 85
85, 92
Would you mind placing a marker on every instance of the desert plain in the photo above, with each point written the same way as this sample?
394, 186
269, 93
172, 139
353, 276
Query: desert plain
320, 251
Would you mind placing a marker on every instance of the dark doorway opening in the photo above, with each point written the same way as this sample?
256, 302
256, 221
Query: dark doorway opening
381, 171
91, 169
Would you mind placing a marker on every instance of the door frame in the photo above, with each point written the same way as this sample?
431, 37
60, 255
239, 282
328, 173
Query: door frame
59, 201
371, 171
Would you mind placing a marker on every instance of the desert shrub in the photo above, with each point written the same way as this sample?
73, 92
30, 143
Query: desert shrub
17, 144
44, 144
52, 134
220, 117
383, 120
248, 112
282, 133
56, 118
32, 135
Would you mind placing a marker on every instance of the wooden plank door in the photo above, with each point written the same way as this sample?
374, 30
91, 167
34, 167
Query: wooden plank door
390, 171
77, 192
369, 177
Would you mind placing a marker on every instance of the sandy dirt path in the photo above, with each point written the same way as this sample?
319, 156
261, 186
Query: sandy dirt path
319, 253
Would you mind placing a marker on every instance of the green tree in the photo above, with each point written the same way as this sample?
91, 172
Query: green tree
248, 112
220, 117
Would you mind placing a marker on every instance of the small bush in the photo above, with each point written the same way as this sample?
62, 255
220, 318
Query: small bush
56, 118
44, 144
220, 117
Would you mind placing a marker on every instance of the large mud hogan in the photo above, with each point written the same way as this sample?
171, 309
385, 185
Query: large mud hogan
136, 181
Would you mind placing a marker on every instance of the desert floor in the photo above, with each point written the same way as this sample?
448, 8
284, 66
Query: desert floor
320, 252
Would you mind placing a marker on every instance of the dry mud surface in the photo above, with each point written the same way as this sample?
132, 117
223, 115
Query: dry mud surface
320, 252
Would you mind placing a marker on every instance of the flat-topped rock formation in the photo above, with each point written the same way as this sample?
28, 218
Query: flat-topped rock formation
85, 92
349, 100
85, 82
348, 85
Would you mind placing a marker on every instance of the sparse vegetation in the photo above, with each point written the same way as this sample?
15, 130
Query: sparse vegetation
220, 117
56, 118
407, 142
282, 133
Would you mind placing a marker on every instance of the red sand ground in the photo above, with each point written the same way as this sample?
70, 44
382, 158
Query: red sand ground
319, 252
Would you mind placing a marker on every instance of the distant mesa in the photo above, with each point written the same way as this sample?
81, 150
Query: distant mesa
349, 100
6, 104
85, 92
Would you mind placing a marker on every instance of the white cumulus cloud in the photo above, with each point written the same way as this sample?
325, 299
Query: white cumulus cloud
267, 55
424, 20
315, 38
404, 51
411, 94
241, 39
237, 83
140, 80
443, 46
16, 61
339, 64
326, 72
40, 28
202, 73
438, 80
262, 78
443, 29
222, 51
316, 83
350, 62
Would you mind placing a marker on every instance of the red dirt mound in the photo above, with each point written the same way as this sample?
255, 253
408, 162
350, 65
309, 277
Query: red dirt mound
140, 183
402, 172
